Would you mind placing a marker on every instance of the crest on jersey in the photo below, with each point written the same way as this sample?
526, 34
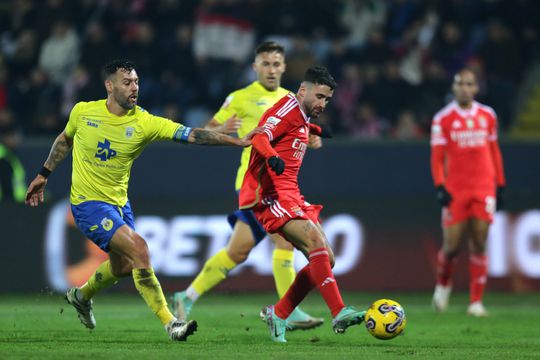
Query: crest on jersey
297, 210
129, 131
483, 121
456, 124
470, 123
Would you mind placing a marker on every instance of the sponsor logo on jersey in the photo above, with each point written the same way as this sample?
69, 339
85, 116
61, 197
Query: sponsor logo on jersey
129, 131
261, 103
300, 148
107, 224
272, 122
469, 138
104, 151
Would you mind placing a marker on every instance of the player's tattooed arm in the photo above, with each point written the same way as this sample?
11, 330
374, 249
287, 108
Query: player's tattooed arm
61, 147
209, 137
59, 150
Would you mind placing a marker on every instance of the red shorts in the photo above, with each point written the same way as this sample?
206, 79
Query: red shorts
464, 206
273, 214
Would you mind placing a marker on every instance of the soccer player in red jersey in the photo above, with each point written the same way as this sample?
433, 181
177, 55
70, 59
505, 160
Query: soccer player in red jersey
467, 170
270, 189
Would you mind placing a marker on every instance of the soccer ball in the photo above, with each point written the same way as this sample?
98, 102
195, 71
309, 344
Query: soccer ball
385, 319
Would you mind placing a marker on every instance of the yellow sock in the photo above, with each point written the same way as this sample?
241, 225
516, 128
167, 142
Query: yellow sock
215, 270
148, 286
283, 268
101, 279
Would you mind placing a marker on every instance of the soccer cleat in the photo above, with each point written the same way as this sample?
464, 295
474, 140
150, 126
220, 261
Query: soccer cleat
84, 308
276, 325
179, 330
348, 316
182, 305
441, 297
300, 320
477, 309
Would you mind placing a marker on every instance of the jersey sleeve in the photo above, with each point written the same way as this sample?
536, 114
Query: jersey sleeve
438, 135
71, 126
228, 108
159, 128
438, 147
274, 126
494, 126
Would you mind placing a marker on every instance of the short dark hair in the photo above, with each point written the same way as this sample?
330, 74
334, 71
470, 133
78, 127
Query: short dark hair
269, 46
113, 66
321, 76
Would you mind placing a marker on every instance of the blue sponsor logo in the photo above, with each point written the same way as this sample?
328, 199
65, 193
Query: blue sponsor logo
104, 151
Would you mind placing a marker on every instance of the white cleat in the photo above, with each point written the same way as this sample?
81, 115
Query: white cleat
179, 330
83, 308
441, 297
477, 309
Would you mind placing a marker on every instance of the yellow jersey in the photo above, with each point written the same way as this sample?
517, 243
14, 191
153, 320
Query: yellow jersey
105, 146
249, 104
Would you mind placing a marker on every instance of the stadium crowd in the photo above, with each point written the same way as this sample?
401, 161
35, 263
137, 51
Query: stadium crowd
393, 60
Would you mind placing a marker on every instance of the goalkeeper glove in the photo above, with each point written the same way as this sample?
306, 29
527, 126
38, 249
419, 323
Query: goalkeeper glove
277, 164
500, 197
443, 196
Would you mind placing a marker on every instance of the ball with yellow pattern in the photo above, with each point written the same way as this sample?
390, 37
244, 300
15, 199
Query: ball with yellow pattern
385, 319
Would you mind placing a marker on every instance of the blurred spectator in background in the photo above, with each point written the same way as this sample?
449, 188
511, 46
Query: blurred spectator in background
367, 124
193, 53
407, 127
12, 174
60, 52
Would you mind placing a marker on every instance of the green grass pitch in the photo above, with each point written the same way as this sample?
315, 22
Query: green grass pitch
44, 327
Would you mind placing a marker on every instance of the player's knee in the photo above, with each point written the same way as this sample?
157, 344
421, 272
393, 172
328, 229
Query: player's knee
238, 255
141, 254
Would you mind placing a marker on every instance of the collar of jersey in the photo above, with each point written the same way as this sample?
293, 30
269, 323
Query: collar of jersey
466, 113
292, 96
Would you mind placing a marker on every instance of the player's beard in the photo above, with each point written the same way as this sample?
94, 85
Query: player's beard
125, 103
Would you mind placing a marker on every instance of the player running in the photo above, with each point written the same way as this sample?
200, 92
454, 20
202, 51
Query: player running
241, 113
468, 173
106, 137
270, 189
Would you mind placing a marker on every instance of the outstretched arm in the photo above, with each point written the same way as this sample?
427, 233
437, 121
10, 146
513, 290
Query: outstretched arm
210, 137
59, 150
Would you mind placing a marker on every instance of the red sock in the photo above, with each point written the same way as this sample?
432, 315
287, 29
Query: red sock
298, 290
445, 268
322, 276
477, 276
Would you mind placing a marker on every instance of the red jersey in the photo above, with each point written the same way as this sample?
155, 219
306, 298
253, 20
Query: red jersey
287, 128
465, 152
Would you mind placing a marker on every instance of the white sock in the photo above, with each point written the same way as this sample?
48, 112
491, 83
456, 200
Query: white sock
192, 294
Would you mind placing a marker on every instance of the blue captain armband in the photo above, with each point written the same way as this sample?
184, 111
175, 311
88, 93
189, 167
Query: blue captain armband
182, 133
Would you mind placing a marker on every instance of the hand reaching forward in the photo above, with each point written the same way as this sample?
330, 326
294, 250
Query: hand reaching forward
34, 195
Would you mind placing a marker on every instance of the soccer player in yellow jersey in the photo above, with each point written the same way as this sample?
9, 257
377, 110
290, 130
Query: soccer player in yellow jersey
106, 137
240, 113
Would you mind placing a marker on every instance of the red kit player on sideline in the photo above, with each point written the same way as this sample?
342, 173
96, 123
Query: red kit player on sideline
270, 189
467, 170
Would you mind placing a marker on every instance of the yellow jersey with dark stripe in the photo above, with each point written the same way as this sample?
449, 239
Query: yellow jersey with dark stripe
249, 104
105, 146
